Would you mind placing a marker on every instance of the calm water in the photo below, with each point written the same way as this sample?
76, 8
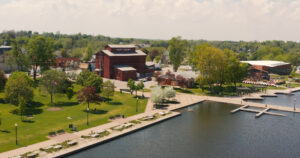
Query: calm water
282, 100
210, 132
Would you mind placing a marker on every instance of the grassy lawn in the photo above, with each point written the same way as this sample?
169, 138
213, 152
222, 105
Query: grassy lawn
285, 78
228, 90
44, 121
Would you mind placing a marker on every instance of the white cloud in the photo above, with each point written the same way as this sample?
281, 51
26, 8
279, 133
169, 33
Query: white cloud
192, 19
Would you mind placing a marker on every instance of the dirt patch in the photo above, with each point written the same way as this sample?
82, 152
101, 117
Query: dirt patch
54, 109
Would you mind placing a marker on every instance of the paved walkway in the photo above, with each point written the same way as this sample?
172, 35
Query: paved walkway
182, 99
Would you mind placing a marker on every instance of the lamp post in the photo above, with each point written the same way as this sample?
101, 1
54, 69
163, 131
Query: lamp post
294, 104
137, 99
87, 116
16, 126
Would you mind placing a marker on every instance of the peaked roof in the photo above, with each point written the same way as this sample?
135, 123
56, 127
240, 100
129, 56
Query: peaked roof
269, 63
136, 53
121, 46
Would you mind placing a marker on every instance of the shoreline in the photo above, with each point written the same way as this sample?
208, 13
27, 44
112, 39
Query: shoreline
112, 137
185, 100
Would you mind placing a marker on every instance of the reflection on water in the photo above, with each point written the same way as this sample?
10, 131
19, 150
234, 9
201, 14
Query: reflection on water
209, 131
282, 100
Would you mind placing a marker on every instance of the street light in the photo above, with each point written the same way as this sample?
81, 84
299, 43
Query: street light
137, 99
87, 116
294, 104
16, 126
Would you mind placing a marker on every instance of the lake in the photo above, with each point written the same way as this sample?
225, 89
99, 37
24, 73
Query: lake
210, 132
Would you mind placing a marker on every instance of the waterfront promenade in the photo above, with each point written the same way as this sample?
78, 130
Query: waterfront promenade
183, 100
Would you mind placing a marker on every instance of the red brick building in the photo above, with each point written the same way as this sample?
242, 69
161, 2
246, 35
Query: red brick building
276, 67
258, 74
122, 62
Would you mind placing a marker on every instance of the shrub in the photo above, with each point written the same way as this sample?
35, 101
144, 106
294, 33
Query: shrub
169, 92
52, 133
157, 95
19, 85
61, 131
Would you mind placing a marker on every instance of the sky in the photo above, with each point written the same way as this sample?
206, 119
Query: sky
235, 20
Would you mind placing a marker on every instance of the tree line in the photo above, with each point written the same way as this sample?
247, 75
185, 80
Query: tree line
215, 66
84, 46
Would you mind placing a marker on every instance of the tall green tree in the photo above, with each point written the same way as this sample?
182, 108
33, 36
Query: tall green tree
70, 93
22, 106
3, 80
236, 71
177, 51
88, 94
141, 86
108, 89
19, 84
40, 53
83, 76
221, 64
18, 56
53, 81
88, 78
88, 53
95, 81
203, 58
216, 66
131, 85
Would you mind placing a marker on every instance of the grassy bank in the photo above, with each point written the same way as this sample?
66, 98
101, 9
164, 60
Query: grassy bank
226, 90
46, 119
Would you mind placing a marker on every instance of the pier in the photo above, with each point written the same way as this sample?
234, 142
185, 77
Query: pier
259, 112
238, 109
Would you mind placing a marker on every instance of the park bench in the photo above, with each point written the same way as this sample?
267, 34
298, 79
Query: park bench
125, 90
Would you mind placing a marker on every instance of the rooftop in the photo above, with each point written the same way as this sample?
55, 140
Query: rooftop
121, 46
125, 68
136, 53
5, 47
84, 66
269, 63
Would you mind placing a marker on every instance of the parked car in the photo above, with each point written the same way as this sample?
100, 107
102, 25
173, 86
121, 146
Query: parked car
147, 79
157, 69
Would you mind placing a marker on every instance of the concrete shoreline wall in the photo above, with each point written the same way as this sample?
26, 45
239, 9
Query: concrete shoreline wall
119, 135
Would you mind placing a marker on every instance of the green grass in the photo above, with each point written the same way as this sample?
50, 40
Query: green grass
145, 90
37, 128
228, 89
135, 122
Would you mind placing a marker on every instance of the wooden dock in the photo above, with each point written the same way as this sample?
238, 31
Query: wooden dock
259, 112
238, 109
286, 93
262, 112
268, 95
